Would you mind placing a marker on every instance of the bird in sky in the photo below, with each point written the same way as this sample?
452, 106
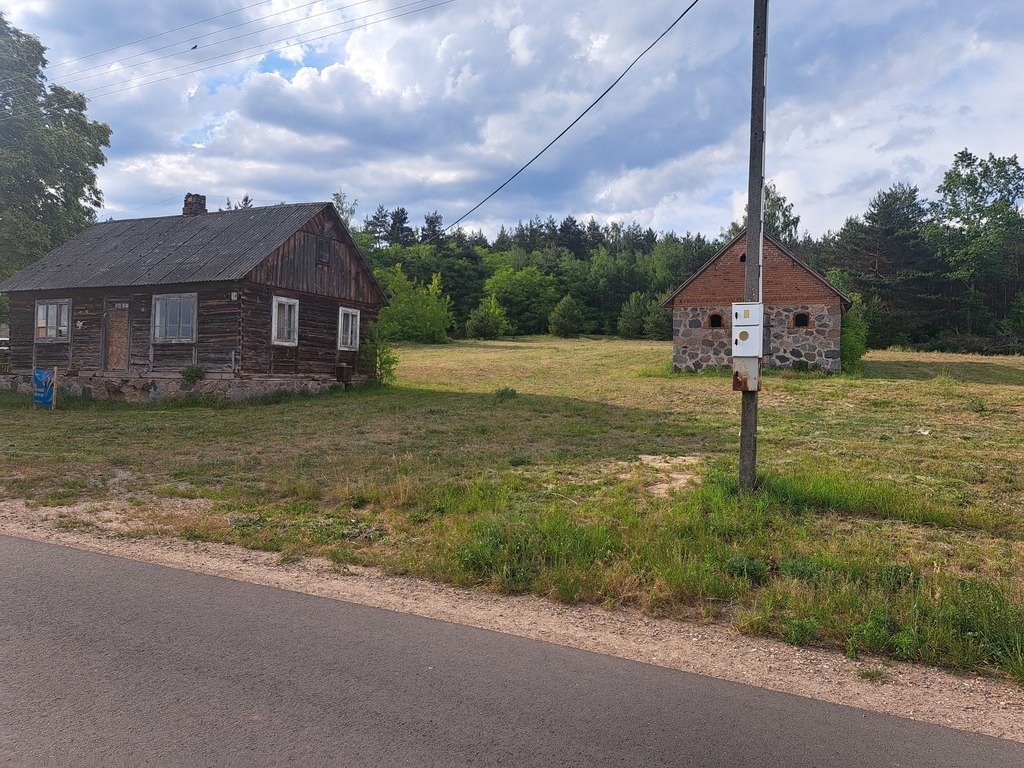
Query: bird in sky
194, 47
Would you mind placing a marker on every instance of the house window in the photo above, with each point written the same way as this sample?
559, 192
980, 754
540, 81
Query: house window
285, 327
174, 318
801, 320
348, 329
715, 321
53, 319
323, 251
743, 257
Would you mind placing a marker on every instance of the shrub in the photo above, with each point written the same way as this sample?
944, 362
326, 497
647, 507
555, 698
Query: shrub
854, 341
566, 318
378, 358
488, 320
633, 316
191, 374
416, 312
528, 295
658, 323
1013, 323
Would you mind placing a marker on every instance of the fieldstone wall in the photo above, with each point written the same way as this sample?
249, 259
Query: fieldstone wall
697, 345
818, 345
153, 388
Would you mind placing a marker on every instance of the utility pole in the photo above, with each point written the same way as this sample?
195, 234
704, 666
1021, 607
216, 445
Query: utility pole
755, 230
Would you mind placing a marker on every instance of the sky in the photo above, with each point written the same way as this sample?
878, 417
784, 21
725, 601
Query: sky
399, 103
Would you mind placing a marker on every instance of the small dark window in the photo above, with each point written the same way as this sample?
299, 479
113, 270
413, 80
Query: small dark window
801, 320
323, 251
743, 257
715, 321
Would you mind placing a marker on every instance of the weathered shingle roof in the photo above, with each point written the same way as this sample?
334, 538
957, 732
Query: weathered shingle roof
167, 250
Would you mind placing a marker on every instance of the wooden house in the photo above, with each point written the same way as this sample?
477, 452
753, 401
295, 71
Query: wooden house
803, 311
251, 300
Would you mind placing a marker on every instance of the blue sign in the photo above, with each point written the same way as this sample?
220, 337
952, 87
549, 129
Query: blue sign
43, 380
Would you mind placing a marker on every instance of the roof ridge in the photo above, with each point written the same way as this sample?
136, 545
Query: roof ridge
667, 304
165, 250
317, 203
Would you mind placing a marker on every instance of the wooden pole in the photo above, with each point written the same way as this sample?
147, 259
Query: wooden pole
53, 400
755, 229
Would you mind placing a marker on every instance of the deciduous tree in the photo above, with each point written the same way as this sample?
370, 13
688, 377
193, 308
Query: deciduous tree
49, 153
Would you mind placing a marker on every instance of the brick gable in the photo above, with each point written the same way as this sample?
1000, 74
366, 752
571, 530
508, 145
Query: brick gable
786, 281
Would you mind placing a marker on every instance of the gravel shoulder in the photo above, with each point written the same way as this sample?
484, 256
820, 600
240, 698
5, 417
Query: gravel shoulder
982, 705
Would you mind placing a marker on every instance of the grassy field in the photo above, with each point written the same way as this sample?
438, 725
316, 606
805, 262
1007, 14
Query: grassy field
890, 517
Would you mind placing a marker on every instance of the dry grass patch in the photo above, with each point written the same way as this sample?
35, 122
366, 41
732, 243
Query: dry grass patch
890, 518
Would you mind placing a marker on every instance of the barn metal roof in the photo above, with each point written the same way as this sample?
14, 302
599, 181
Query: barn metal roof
210, 247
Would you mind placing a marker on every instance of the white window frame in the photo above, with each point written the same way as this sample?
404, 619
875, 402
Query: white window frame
56, 338
351, 344
281, 301
179, 297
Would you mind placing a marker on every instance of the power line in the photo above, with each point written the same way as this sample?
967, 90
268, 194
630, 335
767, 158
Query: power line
583, 114
74, 77
263, 52
112, 211
161, 34
139, 208
65, 82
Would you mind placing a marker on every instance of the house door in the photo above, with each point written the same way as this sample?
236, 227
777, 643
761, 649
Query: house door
116, 346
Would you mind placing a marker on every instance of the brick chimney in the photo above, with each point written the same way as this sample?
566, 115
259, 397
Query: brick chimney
195, 205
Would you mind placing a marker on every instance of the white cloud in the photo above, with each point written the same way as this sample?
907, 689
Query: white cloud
519, 45
435, 109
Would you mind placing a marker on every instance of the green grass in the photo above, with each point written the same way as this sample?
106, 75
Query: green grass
889, 517
873, 674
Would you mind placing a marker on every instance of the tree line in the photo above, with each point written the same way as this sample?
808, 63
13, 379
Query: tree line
944, 273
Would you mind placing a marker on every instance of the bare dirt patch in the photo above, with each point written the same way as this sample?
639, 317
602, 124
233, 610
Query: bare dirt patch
982, 705
662, 474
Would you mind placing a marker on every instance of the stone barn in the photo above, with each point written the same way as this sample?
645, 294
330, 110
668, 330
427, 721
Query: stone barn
232, 304
803, 311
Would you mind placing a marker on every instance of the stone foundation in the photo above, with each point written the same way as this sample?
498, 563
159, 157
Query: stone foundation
153, 388
696, 345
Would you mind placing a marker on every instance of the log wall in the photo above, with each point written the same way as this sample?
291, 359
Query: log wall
317, 351
217, 340
294, 265
293, 271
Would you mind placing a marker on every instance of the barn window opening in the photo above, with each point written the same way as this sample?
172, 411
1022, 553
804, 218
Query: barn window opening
715, 321
323, 251
52, 319
801, 320
348, 329
743, 257
285, 326
174, 318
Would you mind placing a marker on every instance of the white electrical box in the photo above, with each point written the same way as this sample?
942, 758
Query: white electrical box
748, 313
748, 330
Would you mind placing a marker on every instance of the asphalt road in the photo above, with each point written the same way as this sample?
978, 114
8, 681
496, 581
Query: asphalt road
109, 662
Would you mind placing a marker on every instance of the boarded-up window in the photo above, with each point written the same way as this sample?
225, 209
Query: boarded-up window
53, 319
174, 318
348, 329
323, 251
285, 330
